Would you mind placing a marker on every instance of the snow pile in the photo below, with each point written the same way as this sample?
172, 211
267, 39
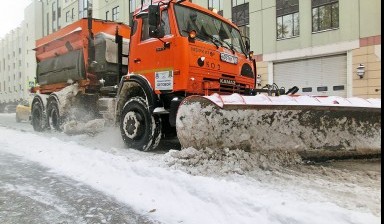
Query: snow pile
91, 127
225, 161
66, 96
200, 124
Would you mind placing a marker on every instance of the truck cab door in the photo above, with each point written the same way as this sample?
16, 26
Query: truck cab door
149, 56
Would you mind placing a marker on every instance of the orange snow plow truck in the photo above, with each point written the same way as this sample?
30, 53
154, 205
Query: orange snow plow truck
182, 70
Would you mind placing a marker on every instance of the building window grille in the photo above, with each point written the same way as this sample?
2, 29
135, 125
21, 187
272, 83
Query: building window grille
240, 12
115, 13
287, 19
216, 4
325, 15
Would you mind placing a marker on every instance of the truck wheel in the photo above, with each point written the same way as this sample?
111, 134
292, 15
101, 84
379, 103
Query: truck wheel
54, 120
140, 130
38, 117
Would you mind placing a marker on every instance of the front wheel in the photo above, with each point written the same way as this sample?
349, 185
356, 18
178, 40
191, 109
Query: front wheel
139, 128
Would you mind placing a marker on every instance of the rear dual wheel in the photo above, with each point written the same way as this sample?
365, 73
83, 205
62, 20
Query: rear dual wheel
139, 128
38, 116
54, 120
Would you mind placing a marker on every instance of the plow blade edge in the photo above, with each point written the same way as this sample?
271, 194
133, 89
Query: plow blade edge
311, 126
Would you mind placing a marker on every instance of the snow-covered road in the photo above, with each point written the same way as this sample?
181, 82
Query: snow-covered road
191, 187
30, 193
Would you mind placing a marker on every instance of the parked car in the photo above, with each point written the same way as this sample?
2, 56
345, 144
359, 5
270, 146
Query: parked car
10, 108
23, 111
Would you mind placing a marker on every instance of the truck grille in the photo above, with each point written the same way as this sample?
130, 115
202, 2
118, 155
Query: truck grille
224, 86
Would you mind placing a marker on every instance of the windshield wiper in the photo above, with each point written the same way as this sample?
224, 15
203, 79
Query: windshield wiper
213, 39
229, 45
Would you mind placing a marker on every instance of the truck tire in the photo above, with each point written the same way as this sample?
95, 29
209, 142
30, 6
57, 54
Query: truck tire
54, 121
139, 128
38, 116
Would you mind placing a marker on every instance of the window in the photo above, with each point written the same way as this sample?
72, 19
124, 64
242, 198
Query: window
287, 18
216, 4
240, 12
240, 16
47, 23
325, 15
132, 8
145, 27
54, 21
53, 11
83, 8
239, 2
73, 13
67, 17
115, 13
107, 15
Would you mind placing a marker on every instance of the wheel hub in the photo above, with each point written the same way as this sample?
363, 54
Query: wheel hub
133, 124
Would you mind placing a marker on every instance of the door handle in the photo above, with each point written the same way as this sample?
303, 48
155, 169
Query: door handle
137, 60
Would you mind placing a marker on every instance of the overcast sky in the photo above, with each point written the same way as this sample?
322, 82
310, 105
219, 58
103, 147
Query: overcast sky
11, 14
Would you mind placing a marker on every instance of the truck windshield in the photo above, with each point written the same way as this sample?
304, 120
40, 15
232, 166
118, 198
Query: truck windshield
208, 28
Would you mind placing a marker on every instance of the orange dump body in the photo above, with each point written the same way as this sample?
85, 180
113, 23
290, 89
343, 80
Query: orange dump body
74, 37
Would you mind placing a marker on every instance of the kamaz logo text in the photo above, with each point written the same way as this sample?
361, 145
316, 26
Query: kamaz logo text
227, 82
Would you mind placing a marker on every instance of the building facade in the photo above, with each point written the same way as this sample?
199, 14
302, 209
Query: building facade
325, 47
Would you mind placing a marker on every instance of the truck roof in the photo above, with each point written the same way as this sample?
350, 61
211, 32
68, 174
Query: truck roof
186, 3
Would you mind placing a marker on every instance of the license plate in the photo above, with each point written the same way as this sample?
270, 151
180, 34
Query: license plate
229, 58
227, 82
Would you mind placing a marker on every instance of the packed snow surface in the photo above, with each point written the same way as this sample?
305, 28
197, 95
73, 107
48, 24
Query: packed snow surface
262, 99
205, 186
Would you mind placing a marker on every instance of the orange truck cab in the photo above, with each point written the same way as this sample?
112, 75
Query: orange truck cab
200, 50
179, 49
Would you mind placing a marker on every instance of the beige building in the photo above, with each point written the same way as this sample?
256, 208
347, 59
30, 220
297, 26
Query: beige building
325, 47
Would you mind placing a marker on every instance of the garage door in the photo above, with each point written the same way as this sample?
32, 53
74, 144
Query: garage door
323, 76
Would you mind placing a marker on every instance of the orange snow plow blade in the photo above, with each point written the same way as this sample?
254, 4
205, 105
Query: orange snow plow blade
314, 127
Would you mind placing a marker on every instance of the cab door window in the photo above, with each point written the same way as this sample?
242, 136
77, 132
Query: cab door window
164, 22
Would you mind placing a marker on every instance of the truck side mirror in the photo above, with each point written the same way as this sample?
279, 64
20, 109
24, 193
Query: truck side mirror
247, 46
156, 30
154, 15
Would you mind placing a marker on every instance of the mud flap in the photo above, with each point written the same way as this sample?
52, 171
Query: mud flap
313, 127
